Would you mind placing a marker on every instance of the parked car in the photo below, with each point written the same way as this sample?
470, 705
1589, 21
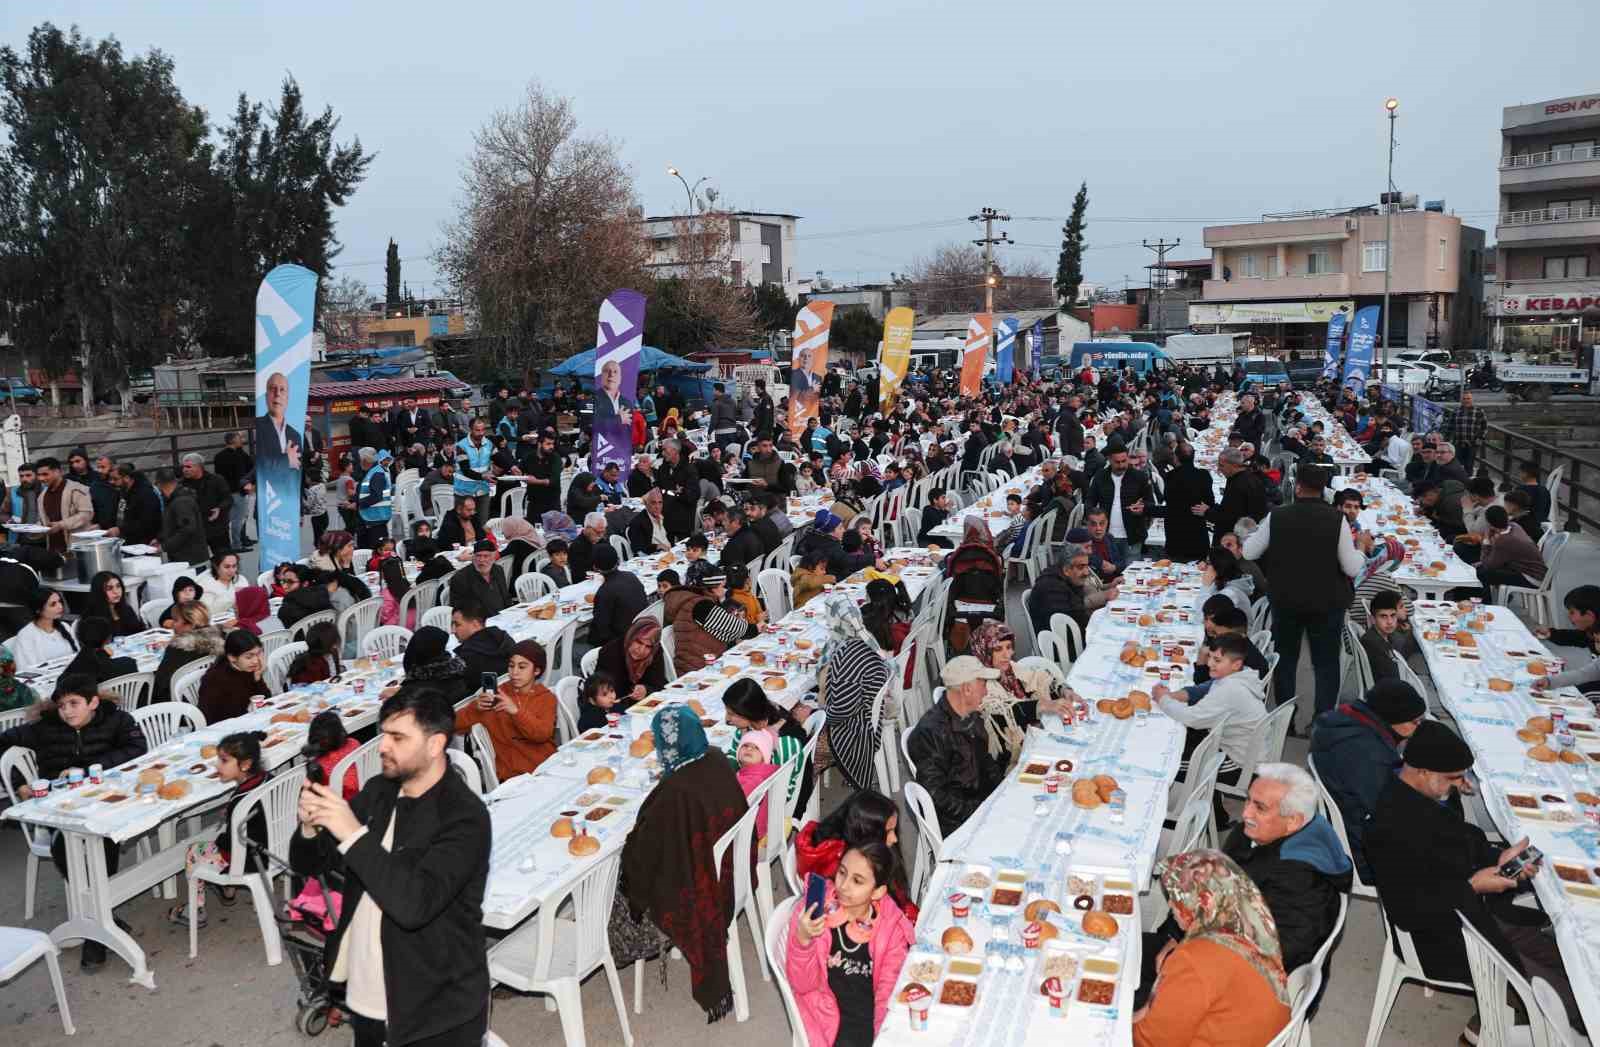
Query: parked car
18, 389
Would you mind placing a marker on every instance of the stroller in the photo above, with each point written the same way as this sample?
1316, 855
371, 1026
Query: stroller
304, 929
977, 591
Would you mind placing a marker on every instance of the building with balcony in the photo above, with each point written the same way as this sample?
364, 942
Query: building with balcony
758, 247
1547, 299
1282, 278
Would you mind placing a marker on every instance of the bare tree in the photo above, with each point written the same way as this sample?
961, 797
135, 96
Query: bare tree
1024, 283
949, 280
545, 228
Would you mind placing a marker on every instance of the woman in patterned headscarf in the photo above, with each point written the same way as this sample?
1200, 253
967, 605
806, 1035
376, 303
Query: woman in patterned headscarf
1015, 700
14, 694
855, 671
669, 885
1224, 982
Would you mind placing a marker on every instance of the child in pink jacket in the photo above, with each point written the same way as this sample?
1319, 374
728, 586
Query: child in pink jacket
842, 962
754, 756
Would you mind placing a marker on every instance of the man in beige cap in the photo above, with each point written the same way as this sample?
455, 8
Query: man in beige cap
950, 747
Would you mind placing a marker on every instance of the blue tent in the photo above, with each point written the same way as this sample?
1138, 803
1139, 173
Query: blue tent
650, 359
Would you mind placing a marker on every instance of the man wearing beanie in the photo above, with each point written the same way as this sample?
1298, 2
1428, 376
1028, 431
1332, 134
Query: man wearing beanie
1356, 748
619, 599
1429, 862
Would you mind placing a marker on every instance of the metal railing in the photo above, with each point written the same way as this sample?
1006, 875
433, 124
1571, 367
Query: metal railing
1564, 154
1512, 448
1541, 215
162, 449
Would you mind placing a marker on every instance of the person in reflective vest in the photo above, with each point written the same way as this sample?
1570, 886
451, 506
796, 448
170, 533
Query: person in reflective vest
472, 467
374, 501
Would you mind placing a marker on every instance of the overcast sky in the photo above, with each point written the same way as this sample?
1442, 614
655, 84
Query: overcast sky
884, 123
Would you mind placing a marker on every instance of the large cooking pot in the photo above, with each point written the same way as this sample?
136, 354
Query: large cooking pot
93, 555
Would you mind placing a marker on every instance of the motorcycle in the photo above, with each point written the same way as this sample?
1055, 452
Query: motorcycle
1483, 377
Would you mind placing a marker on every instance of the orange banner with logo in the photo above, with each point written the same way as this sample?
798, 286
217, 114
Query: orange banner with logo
895, 356
811, 328
980, 335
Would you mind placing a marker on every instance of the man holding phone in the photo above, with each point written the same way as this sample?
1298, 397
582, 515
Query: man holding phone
1429, 862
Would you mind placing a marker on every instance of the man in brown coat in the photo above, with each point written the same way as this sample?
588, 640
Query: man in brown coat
64, 505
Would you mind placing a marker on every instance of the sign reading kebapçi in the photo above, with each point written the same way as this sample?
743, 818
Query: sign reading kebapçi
617, 345
285, 308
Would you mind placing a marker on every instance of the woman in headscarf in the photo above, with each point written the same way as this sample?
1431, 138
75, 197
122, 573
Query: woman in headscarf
583, 496
669, 887
252, 611
856, 670
428, 660
14, 694
1014, 700
1224, 982
635, 661
670, 426
520, 543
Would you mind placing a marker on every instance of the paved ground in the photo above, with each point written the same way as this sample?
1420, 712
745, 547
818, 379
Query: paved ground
229, 996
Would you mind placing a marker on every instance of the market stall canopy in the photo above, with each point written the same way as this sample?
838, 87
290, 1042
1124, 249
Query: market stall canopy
650, 359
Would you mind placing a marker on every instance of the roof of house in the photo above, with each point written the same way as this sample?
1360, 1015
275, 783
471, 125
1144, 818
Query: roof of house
959, 321
381, 387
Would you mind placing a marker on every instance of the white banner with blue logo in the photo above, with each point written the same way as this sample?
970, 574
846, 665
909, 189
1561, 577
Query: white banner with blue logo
1426, 415
1036, 347
285, 308
1330, 354
1005, 348
1358, 359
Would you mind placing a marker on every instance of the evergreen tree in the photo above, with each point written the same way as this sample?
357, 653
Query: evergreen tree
1069, 267
391, 276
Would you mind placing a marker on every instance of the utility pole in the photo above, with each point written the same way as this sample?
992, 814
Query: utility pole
989, 216
1391, 104
1161, 247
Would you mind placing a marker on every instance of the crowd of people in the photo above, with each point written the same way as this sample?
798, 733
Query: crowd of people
1118, 444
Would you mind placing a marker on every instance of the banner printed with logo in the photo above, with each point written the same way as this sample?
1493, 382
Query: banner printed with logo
617, 344
1358, 358
1330, 355
1036, 346
896, 355
811, 329
285, 306
975, 352
1426, 415
1005, 349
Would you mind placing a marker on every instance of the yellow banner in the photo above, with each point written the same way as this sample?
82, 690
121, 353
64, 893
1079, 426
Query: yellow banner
895, 357
980, 335
811, 328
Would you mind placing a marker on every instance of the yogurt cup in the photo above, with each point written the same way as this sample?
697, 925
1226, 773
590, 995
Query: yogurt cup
40, 787
918, 1002
96, 772
960, 905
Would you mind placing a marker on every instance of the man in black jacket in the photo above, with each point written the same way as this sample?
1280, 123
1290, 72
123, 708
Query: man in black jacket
1064, 589
1124, 493
1242, 495
1430, 863
580, 551
81, 729
679, 482
1293, 856
481, 582
618, 601
950, 745
414, 848
1250, 423
138, 507
234, 464
484, 648
214, 498
183, 529
744, 545
755, 511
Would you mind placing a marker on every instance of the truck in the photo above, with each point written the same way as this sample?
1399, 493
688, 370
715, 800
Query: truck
1142, 357
1207, 348
1542, 381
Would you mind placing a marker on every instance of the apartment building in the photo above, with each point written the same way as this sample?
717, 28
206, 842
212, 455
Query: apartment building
1547, 299
758, 247
1282, 278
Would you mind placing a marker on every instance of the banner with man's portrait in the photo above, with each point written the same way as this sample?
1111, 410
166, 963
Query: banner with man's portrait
617, 346
285, 308
811, 328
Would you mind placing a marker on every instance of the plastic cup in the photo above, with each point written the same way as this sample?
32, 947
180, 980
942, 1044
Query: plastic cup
41, 787
917, 1006
960, 906
96, 772
74, 777
258, 701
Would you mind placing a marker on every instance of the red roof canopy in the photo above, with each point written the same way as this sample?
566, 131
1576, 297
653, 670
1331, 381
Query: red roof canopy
378, 387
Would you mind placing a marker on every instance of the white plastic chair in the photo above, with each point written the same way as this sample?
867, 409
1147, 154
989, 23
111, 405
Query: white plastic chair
1050, 646
164, 721
776, 592
467, 768
20, 948
151, 610
1540, 599
483, 752
1558, 1031
185, 686
1192, 782
566, 692
1266, 746
366, 760
132, 690
18, 764
930, 840
778, 959
300, 628
1400, 965
624, 548
438, 617
558, 653
386, 641
1304, 984
276, 673
554, 955
669, 651
586, 664
279, 798
358, 620
1190, 827
739, 838
534, 586
272, 641
1066, 629
1330, 809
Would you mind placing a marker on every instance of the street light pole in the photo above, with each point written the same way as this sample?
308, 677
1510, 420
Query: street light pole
1392, 105
688, 191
